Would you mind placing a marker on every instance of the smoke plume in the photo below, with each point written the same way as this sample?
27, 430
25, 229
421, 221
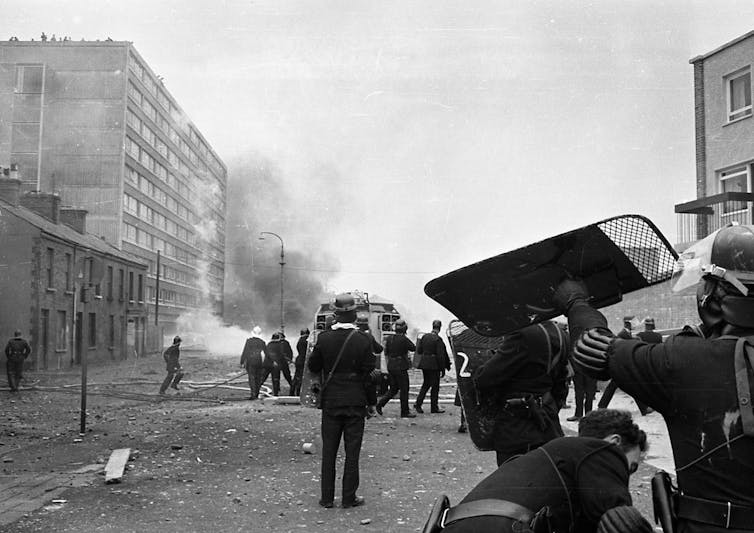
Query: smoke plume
260, 198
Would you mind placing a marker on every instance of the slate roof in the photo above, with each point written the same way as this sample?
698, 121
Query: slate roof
68, 234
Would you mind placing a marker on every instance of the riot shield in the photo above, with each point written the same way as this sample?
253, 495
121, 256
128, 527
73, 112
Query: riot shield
470, 351
513, 290
310, 381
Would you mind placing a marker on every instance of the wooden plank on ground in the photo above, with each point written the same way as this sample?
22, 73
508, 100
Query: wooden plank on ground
116, 464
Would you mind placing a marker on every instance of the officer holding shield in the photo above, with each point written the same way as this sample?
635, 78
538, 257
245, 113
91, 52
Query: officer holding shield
699, 380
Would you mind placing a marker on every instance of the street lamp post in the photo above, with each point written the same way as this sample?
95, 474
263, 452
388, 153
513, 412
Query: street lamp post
282, 264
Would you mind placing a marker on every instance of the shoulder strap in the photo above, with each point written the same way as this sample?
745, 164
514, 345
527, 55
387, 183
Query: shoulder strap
744, 354
565, 487
337, 360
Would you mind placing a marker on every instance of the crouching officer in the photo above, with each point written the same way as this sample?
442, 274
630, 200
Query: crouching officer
577, 484
699, 379
527, 378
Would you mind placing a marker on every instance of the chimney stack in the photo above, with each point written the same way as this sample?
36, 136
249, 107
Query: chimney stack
43, 203
74, 217
10, 190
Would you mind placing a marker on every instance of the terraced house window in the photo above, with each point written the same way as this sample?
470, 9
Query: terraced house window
738, 89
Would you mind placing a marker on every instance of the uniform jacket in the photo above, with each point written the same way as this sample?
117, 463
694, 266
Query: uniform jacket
650, 336
532, 362
277, 351
350, 385
396, 349
690, 380
434, 356
301, 345
17, 349
251, 357
171, 355
594, 471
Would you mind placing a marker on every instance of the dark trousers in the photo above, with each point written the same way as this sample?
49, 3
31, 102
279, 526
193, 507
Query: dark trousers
276, 377
398, 382
256, 375
298, 378
351, 428
14, 369
432, 384
172, 379
584, 389
607, 396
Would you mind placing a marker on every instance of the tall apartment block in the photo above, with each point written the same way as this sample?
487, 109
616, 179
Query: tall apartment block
92, 122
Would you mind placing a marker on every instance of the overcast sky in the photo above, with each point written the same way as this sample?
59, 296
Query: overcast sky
459, 130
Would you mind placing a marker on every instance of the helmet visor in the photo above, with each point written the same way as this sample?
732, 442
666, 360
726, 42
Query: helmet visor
688, 269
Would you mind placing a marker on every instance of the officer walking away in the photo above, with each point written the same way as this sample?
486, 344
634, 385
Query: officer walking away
526, 379
276, 351
649, 334
16, 352
344, 356
287, 360
577, 484
699, 380
362, 322
254, 360
433, 362
396, 349
298, 363
172, 365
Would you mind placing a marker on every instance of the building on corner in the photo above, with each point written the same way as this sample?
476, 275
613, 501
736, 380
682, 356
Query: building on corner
91, 122
724, 132
69, 292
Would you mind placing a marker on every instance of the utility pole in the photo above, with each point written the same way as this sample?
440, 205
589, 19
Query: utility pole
282, 265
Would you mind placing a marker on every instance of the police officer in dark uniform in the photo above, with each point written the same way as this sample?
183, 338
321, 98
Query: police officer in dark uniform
433, 363
396, 350
277, 350
344, 356
649, 334
528, 378
172, 365
255, 361
691, 378
298, 363
16, 352
577, 484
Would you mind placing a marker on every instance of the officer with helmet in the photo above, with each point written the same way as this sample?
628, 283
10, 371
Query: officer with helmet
171, 356
396, 350
699, 379
344, 357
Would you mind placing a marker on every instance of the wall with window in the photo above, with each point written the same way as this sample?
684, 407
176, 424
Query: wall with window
728, 120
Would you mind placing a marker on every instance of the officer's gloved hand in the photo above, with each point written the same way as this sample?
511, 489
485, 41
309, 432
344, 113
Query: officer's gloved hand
568, 292
371, 411
590, 354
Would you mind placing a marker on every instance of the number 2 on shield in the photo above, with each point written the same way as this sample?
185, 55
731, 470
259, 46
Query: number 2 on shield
464, 373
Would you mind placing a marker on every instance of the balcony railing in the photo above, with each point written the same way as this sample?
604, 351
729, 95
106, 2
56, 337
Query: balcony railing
700, 217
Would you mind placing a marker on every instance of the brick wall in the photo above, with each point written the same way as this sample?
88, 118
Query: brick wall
669, 310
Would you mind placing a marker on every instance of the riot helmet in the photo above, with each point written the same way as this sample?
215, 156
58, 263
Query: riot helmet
343, 303
722, 267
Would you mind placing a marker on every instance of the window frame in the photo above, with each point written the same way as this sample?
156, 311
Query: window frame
734, 115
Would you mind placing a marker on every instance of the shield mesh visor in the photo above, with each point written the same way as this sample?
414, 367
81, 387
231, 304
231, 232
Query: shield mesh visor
642, 245
461, 337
